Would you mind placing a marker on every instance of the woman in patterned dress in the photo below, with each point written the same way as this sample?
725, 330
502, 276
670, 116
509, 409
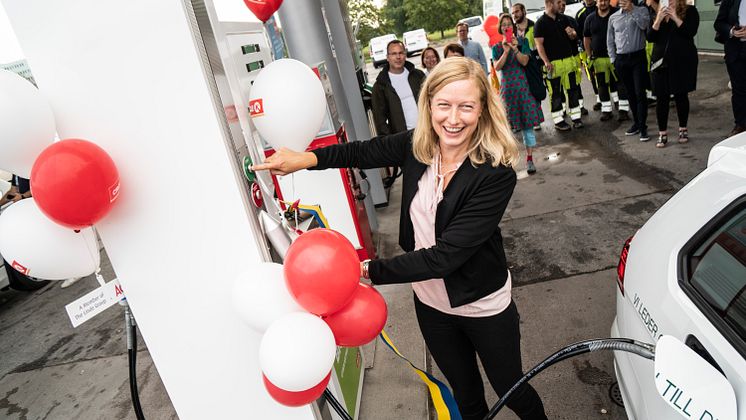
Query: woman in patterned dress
524, 112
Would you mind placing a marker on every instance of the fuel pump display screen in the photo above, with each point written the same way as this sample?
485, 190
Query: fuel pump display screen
249, 49
255, 65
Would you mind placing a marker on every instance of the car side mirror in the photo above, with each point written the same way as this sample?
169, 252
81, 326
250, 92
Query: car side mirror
690, 385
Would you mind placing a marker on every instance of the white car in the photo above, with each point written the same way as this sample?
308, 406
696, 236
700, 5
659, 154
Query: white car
535, 8
415, 41
378, 49
684, 274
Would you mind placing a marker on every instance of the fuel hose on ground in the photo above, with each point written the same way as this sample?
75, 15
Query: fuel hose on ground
621, 344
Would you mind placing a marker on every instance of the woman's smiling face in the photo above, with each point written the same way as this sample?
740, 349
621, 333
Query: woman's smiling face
455, 113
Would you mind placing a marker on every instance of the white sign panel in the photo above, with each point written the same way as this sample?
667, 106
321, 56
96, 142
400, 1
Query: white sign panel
690, 385
95, 302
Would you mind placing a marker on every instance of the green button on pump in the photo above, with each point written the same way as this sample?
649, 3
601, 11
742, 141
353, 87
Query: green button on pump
247, 172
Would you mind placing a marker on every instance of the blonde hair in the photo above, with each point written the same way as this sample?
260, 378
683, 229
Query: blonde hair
492, 141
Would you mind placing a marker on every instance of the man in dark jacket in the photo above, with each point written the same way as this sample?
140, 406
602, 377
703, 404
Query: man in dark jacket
395, 95
730, 26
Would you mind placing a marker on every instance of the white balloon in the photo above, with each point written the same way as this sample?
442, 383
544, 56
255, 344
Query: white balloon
43, 249
287, 104
260, 296
297, 351
26, 124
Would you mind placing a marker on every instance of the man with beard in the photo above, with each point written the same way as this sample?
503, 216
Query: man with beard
524, 25
554, 34
599, 63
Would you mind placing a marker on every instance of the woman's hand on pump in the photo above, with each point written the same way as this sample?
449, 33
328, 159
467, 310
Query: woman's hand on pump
286, 161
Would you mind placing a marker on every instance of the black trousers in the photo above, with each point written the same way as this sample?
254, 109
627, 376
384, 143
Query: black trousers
559, 94
662, 91
605, 89
735, 60
455, 341
632, 69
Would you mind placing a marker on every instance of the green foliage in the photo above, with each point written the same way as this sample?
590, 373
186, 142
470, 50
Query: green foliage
395, 18
434, 15
474, 8
367, 18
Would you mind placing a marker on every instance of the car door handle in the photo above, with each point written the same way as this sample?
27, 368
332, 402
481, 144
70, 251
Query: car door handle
698, 348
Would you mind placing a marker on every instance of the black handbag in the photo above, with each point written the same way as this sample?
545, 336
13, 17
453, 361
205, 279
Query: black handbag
535, 77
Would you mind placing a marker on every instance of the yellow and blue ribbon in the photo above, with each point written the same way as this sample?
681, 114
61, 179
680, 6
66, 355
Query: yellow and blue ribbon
443, 401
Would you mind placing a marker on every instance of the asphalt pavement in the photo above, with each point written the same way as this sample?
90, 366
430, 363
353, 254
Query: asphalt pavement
563, 232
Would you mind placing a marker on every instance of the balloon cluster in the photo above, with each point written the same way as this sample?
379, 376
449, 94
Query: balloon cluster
74, 184
305, 308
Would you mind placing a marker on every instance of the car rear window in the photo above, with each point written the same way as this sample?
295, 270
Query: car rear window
717, 271
475, 21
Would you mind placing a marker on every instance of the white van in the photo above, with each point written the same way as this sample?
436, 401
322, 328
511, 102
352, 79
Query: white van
415, 41
378, 48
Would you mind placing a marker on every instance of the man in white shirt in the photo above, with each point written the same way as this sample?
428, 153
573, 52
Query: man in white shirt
395, 95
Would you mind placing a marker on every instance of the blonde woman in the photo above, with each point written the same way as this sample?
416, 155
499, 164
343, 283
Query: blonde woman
457, 180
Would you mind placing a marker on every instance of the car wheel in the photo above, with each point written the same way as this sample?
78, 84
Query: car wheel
19, 281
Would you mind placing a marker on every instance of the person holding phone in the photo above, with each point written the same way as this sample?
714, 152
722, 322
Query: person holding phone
673, 62
730, 25
524, 111
457, 181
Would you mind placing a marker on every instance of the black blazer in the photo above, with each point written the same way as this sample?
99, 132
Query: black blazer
726, 19
468, 253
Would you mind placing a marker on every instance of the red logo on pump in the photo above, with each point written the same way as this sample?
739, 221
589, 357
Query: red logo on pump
118, 290
256, 108
21, 269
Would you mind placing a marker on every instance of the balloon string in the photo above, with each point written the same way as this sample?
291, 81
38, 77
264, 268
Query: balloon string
91, 251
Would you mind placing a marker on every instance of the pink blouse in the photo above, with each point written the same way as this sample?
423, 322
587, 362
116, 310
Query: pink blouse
433, 292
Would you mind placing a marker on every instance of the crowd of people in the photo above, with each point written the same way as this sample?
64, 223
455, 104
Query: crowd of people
635, 55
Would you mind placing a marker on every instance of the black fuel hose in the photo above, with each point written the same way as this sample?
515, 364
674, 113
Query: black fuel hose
621, 344
129, 320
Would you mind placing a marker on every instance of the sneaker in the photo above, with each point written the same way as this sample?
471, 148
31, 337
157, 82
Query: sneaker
562, 126
69, 282
632, 131
644, 135
583, 111
597, 106
537, 127
662, 140
683, 136
530, 167
605, 116
577, 124
623, 116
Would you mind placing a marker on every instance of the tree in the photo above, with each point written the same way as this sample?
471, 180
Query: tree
435, 15
395, 18
367, 18
474, 8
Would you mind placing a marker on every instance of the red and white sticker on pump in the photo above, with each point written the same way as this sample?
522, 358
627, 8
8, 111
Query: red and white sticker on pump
256, 108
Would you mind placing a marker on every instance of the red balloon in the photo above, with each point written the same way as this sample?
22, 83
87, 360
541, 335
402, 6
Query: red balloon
74, 182
296, 399
322, 271
492, 29
361, 320
263, 9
